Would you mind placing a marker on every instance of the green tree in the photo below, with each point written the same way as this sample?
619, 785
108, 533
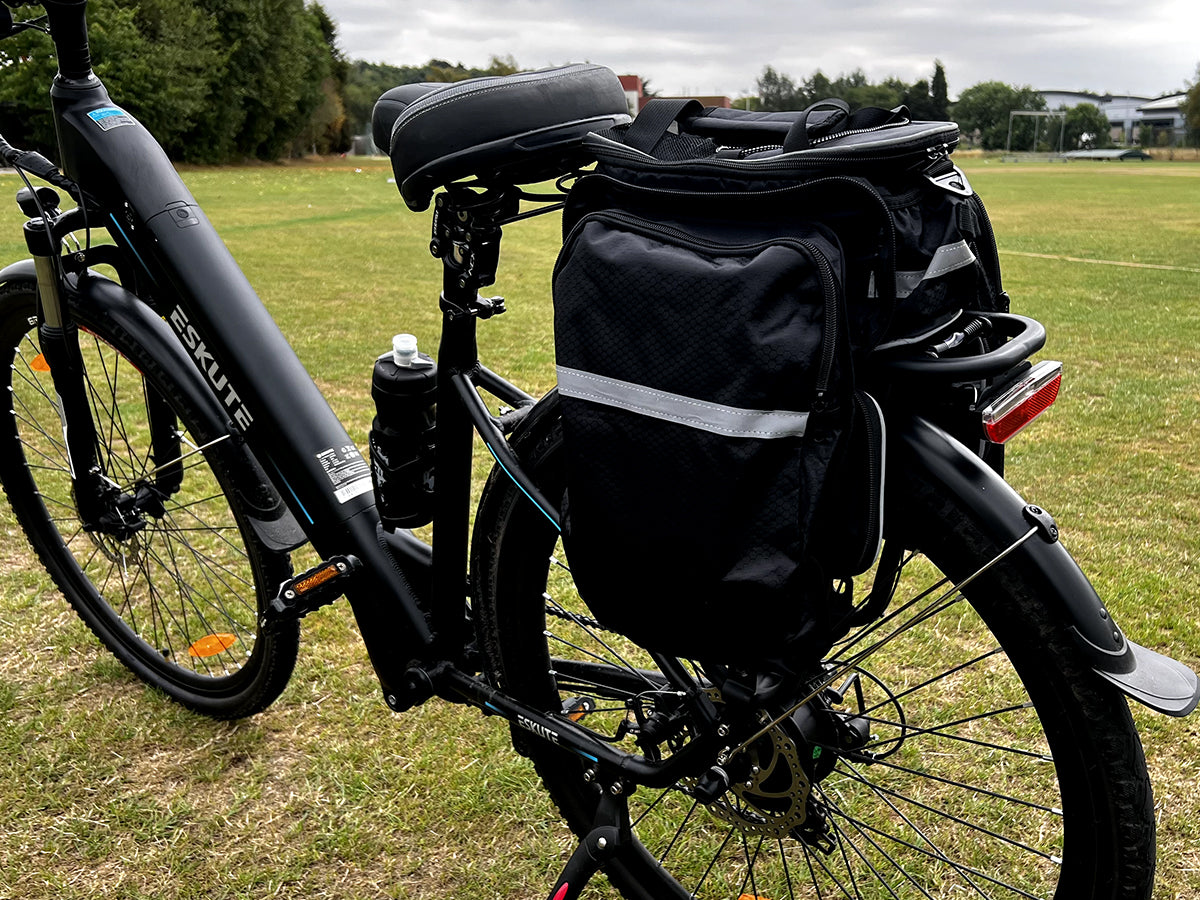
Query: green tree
213, 80
777, 91
1191, 109
1086, 127
938, 94
984, 109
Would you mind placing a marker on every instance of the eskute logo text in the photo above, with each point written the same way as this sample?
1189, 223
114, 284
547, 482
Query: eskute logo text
192, 340
540, 730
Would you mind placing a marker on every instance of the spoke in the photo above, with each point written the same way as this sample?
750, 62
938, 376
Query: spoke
608, 662
937, 852
958, 819
750, 864
720, 850
836, 810
962, 869
787, 875
678, 831
573, 681
617, 656
935, 679
843, 668
938, 731
970, 788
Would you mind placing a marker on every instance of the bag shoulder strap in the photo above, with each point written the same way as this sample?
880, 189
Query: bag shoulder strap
655, 119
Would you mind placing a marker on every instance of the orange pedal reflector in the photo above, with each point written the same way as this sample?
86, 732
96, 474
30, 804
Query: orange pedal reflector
212, 644
39, 363
751, 897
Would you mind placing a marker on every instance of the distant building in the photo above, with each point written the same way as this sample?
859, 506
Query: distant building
635, 96
1128, 114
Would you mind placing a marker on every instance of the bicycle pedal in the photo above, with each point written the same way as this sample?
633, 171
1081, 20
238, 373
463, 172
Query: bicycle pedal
576, 708
309, 591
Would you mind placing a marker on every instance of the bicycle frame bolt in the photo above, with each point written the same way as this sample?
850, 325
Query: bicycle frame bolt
617, 789
291, 595
749, 784
391, 699
722, 730
589, 776
341, 567
754, 770
601, 843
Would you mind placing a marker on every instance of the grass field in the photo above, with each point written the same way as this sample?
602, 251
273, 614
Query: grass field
107, 790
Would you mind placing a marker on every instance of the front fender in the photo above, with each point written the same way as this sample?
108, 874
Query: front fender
1159, 682
268, 515
22, 270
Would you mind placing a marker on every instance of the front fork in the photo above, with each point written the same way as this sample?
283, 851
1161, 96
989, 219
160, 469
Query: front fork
102, 504
59, 339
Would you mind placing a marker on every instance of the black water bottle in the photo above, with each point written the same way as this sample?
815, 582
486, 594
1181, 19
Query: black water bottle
402, 441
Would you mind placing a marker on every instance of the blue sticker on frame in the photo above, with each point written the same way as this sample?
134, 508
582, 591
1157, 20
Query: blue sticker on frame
110, 117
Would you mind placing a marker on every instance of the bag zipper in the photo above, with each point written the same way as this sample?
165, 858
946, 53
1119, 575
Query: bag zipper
876, 426
831, 305
787, 164
773, 193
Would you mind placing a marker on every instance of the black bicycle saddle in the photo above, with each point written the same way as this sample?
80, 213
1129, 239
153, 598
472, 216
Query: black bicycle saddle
514, 129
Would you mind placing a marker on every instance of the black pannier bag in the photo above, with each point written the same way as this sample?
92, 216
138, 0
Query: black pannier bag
722, 275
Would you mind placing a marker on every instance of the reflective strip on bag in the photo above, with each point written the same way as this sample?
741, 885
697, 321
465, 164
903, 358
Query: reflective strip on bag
700, 414
948, 258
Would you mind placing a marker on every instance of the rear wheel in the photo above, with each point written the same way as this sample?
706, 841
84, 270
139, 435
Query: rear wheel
974, 755
175, 588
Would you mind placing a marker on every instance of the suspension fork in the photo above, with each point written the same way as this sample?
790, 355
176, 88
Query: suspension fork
59, 339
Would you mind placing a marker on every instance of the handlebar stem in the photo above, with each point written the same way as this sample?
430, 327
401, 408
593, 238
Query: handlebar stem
68, 27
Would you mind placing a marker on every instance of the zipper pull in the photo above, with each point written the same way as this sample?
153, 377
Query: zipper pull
944, 174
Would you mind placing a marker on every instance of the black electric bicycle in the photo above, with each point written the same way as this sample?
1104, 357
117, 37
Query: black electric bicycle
165, 451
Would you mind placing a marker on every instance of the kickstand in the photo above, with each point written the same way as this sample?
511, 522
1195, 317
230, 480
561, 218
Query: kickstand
609, 835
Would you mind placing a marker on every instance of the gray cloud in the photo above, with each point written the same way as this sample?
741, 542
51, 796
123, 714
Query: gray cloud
708, 47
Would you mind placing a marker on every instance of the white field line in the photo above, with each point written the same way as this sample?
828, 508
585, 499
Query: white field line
1101, 262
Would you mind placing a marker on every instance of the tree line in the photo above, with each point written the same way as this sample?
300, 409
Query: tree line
225, 80
216, 80
981, 111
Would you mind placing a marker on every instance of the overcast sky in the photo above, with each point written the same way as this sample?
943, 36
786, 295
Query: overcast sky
1144, 47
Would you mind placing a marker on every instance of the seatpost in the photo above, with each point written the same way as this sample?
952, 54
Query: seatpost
466, 237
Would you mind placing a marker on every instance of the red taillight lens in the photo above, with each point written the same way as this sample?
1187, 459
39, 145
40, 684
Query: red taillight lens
1023, 402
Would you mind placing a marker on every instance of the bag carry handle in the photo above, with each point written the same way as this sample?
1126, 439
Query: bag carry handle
655, 119
798, 137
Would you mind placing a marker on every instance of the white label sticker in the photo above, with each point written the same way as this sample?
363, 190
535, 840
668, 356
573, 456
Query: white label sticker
347, 471
110, 117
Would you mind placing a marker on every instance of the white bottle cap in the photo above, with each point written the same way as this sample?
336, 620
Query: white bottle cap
404, 350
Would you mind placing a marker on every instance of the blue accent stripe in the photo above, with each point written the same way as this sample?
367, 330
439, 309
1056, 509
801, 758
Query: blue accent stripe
492, 708
587, 756
292, 492
131, 247
549, 518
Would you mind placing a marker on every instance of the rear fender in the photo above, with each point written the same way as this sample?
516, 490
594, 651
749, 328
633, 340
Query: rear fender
1159, 682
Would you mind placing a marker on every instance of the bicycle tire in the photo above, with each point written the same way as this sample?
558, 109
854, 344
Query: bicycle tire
178, 601
896, 832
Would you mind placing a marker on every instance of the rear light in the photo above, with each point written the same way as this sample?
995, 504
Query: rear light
1023, 402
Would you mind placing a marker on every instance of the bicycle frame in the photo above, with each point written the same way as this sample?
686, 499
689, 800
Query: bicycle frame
272, 405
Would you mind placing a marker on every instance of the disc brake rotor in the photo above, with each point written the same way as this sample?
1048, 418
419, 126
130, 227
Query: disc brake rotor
773, 800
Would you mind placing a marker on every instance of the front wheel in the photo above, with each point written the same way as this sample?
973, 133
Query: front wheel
973, 755
175, 582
